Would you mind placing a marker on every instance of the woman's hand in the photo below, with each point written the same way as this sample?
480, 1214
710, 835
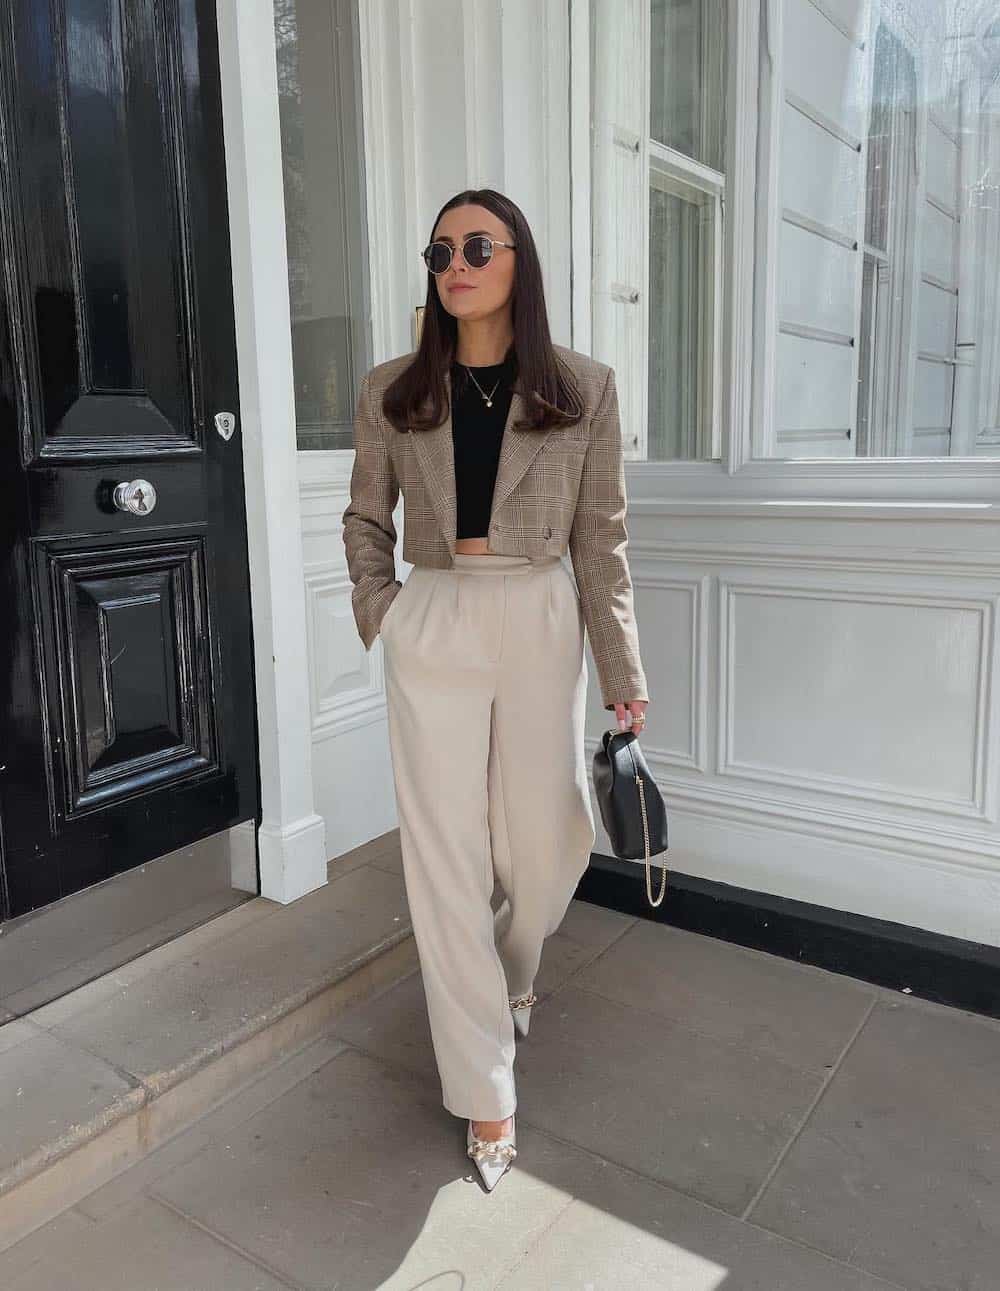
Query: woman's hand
637, 709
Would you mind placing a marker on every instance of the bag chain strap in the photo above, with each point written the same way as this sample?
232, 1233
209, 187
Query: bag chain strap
645, 830
645, 833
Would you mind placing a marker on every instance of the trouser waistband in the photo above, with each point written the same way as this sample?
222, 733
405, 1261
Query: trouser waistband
493, 563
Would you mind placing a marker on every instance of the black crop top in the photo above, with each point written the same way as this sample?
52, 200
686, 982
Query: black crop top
477, 434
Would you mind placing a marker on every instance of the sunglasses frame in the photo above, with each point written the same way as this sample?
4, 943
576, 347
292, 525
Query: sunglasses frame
483, 237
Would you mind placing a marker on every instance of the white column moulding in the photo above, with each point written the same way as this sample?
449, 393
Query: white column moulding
964, 427
986, 221
736, 368
534, 89
768, 234
291, 837
619, 116
580, 97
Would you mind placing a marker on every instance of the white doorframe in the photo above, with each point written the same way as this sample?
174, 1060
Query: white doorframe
291, 838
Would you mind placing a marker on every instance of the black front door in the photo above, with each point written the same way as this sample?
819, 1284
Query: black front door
127, 713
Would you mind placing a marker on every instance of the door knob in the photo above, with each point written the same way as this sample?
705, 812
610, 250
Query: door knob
137, 497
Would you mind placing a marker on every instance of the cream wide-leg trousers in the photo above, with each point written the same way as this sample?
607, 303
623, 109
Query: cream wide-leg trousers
486, 682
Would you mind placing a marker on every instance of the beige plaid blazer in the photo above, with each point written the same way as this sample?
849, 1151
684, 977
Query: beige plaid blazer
556, 490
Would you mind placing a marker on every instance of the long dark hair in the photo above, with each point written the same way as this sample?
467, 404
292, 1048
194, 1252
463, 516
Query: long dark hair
417, 397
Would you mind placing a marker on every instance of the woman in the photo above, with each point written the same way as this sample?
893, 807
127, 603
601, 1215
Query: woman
507, 449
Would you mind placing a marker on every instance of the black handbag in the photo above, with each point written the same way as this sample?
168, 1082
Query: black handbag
630, 803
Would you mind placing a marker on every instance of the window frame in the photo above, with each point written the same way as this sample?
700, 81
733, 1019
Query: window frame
703, 187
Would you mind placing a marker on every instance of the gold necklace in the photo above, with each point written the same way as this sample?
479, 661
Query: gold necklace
487, 397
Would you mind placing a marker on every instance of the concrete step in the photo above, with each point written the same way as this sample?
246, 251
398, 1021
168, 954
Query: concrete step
93, 1082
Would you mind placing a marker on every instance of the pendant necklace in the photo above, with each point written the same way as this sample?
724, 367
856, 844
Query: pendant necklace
487, 397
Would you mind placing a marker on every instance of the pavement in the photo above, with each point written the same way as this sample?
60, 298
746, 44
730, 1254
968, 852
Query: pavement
692, 1116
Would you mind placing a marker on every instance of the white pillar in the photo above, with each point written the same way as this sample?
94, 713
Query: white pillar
291, 839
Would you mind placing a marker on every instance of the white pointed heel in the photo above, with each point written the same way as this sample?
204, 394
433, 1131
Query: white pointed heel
493, 1157
520, 1007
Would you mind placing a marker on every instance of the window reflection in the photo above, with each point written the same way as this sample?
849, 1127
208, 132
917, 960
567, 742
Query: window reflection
686, 186
889, 343
319, 104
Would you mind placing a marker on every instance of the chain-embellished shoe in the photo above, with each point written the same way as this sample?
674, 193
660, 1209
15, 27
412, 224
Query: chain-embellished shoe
493, 1157
520, 1007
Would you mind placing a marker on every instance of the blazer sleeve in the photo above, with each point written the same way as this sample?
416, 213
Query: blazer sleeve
368, 529
597, 544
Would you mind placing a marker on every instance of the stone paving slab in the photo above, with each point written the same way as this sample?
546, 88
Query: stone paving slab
201, 1003
620, 1231
50, 1091
797, 1012
159, 960
357, 1178
898, 1168
146, 1247
701, 1114
278, 1080
83, 1079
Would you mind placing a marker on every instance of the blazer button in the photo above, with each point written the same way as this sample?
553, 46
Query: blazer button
547, 531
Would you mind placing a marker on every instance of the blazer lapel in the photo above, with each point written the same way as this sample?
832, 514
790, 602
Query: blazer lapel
435, 454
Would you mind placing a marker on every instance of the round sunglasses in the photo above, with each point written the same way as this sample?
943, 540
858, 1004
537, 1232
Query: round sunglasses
477, 251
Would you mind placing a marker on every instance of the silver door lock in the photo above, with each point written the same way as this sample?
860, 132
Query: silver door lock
137, 497
225, 424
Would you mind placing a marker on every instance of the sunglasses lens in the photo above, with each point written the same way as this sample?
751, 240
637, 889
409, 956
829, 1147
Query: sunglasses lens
437, 257
478, 252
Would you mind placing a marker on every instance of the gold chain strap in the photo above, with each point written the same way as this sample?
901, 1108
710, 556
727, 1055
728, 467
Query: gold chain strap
645, 833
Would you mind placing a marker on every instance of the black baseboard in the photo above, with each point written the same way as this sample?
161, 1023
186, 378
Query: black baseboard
947, 970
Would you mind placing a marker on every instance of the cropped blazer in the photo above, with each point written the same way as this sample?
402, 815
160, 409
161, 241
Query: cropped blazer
557, 490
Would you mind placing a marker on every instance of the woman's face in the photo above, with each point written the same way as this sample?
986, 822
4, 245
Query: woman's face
471, 294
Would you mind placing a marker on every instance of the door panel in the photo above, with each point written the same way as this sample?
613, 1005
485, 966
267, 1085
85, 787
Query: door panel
127, 712
127, 626
105, 287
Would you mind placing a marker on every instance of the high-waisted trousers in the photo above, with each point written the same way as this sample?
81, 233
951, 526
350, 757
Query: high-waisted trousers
486, 681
